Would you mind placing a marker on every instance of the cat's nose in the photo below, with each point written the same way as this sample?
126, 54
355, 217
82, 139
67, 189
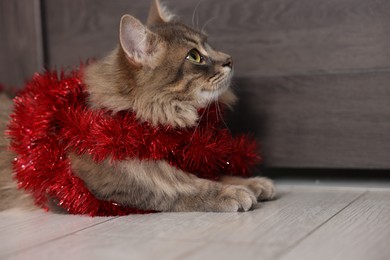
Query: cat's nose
228, 63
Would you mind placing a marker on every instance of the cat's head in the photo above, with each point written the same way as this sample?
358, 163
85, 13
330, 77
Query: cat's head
164, 71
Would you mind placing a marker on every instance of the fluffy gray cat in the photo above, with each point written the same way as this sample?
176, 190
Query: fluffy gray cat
163, 72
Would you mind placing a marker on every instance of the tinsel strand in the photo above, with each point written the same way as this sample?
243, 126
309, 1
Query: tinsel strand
51, 118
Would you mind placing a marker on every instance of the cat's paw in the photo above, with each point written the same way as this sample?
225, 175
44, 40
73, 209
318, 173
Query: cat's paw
233, 198
263, 188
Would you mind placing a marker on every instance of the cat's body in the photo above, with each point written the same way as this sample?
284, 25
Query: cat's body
163, 73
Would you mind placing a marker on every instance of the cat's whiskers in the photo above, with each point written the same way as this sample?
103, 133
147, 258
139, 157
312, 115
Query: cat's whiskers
196, 13
214, 79
206, 109
206, 23
218, 81
218, 109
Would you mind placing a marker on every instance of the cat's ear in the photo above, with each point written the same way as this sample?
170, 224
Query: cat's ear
138, 42
158, 14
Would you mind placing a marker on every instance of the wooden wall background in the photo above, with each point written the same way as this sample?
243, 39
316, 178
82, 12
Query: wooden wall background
313, 75
21, 45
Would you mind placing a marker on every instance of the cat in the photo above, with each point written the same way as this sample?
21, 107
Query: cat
164, 72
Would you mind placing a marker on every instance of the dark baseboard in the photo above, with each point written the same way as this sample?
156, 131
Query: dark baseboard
331, 174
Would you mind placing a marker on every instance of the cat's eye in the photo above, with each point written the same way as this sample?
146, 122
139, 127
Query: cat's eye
195, 56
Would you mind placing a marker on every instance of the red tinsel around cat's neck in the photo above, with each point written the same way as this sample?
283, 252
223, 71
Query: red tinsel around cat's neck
51, 119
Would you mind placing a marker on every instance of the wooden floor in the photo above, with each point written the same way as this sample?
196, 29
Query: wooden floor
307, 221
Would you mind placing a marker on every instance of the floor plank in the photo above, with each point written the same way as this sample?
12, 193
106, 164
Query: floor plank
23, 230
280, 216
361, 231
85, 247
267, 231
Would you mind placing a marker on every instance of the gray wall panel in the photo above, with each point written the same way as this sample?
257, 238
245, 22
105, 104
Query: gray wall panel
21, 50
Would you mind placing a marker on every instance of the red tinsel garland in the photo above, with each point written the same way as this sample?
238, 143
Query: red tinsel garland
51, 119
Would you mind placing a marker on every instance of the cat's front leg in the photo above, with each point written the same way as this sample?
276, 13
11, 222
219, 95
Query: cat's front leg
262, 187
156, 185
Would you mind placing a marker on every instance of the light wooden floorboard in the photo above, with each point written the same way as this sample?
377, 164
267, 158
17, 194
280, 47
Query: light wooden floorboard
82, 247
305, 222
20, 231
361, 231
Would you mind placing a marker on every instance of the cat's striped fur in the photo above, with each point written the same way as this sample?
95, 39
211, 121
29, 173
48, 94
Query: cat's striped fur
150, 73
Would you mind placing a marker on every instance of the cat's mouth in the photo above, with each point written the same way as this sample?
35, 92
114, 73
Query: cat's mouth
225, 83
219, 87
222, 85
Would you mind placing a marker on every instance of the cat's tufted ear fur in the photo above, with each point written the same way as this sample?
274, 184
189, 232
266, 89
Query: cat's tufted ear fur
158, 14
138, 42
